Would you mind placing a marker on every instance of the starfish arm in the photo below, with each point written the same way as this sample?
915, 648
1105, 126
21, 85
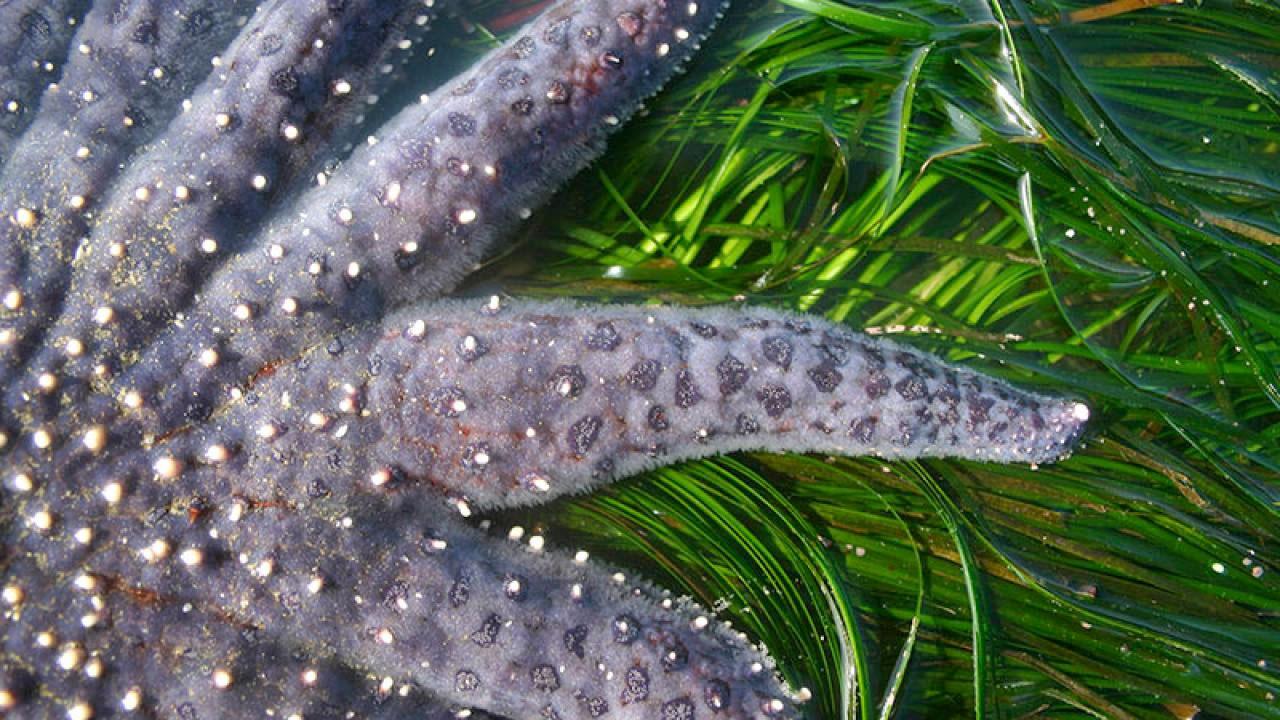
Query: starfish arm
219, 590
495, 406
408, 217
532, 401
531, 635
119, 88
294, 74
33, 43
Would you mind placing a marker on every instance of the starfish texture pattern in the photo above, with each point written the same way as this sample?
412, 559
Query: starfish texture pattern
240, 433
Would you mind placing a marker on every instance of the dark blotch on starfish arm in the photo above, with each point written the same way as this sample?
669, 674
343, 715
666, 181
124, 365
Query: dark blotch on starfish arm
229, 421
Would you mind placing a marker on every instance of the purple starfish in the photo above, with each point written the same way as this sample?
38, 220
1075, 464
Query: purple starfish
233, 420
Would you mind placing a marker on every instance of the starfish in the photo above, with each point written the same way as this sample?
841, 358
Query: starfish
241, 432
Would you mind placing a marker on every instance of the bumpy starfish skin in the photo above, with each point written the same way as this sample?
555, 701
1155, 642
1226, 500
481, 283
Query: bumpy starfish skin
128, 69
33, 43
205, 182
227, 458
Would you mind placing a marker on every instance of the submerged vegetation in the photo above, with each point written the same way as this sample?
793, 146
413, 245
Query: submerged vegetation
1083, 197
